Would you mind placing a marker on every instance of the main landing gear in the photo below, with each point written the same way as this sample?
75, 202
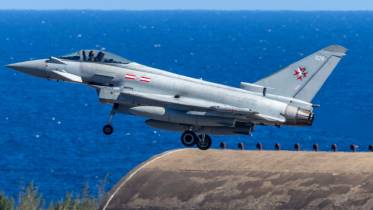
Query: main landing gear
189, 139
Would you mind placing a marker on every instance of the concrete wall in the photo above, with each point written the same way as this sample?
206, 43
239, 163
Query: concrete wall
227, 179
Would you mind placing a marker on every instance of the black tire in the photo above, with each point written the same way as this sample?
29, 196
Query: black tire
204, 144
108, 129
189, 138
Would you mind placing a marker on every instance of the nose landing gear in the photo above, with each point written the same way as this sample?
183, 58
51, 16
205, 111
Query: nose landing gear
189, 139
108, 128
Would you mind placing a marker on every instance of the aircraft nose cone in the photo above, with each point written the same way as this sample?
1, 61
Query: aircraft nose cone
35, 67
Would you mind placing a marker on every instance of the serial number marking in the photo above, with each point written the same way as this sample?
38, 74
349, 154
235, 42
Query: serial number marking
320, 58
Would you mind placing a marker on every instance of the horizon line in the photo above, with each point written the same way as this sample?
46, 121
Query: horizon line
191, 10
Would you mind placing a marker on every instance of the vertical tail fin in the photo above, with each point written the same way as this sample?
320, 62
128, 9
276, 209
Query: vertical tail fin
304, 78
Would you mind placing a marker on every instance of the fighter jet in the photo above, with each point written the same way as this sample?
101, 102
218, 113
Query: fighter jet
195, 107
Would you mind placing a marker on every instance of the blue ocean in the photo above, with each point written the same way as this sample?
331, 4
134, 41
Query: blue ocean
51, 133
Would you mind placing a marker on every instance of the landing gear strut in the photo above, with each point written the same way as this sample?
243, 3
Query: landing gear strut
108, 128
189, 139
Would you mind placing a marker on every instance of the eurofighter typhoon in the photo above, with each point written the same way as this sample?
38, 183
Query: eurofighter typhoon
193, 106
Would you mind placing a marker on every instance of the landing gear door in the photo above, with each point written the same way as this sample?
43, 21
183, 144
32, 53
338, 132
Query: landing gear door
108, 94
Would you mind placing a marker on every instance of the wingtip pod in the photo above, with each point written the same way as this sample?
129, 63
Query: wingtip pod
336, 49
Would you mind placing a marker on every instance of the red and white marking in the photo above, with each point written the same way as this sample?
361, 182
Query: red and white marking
145, 79
300, 73
130, 76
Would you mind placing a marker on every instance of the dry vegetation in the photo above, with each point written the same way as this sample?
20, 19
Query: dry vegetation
30, 199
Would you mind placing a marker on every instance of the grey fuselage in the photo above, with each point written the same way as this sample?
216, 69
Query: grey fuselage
174, 102
170, 84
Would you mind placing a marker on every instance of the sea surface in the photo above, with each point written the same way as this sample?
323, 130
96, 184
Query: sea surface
50, 132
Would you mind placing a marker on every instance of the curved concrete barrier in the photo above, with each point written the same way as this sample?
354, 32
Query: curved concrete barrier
228, 179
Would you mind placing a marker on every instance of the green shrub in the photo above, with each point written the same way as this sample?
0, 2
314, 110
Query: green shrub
31, 199
6, 203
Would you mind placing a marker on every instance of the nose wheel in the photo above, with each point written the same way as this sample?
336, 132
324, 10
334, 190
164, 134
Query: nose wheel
189, 139
108, 129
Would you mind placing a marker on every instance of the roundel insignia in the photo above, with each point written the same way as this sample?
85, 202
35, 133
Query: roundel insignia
300, 73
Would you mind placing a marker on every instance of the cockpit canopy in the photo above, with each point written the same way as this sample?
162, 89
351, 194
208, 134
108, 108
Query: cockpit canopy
95, 56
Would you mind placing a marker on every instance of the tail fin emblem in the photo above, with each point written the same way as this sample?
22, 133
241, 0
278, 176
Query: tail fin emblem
300, 73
